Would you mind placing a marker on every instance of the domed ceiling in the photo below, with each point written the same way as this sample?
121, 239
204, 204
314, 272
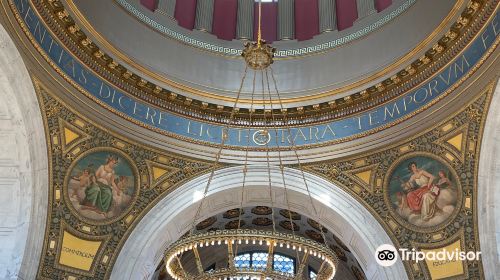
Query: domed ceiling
358, 88
281, 21
355, 89
371, 48
351, 117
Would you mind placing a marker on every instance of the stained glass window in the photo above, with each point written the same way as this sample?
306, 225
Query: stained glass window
283, 264
242, 261
258, 260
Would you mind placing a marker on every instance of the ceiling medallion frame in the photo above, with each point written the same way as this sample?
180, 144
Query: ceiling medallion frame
405, 79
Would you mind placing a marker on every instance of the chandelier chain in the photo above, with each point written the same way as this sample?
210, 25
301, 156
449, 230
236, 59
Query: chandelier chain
299, 163
219, 152
259, 31
281, 165
245, 166
258, 56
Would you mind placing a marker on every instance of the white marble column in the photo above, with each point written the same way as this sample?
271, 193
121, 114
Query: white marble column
365, 8
327, 16
286, 22
244, 25
167, 7
204, 15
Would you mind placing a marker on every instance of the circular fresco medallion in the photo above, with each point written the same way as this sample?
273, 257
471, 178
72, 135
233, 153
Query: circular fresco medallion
422, 191
101, 185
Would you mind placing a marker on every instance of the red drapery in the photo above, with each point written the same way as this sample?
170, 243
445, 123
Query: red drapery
185, 13
269, 21
224, 19
150, 4
382, 4
306, 19
347, 13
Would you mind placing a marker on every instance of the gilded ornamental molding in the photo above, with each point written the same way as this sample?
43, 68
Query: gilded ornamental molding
465, 29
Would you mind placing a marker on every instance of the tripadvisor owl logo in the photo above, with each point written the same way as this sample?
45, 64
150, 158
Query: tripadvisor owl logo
387, 255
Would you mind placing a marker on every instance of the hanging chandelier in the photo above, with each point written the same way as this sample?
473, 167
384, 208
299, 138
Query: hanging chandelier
185, 258
273, 241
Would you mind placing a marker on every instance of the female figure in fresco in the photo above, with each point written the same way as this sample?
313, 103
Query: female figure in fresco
99, 194
424, 197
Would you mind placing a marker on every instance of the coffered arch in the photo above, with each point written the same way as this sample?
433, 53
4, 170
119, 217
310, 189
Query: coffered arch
489, 190
173, 215
23, 167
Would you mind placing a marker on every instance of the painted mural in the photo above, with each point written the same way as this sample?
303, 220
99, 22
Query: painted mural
423, 191
101, 185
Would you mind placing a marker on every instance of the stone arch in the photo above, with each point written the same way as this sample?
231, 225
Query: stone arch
172, 216
23, 167
489, 190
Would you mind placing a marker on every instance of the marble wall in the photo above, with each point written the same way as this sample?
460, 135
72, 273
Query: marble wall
489, 191
23, 168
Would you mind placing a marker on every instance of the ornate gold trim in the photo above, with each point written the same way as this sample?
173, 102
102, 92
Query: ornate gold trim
104, 239
115, 52
347, 107
444, 94
128, 225
476, 7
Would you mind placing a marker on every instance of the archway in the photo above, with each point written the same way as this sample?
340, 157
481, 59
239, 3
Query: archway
23, 167
172, 217
489, 190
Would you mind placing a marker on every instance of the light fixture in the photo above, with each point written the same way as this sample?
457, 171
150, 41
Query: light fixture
230, 238
188, 251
